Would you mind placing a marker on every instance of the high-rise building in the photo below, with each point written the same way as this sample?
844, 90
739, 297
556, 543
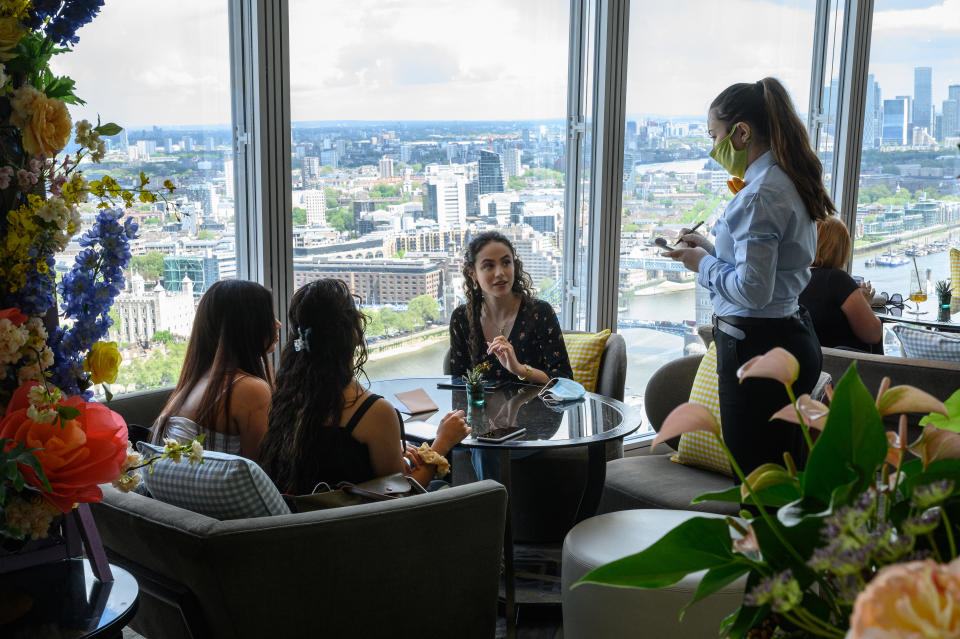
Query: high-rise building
511, 162
228, 176
445, 200
310, 168
491, 173
895, 122
209, 144
406, 153
953, 92
873, 115
186, 144
330, 158
951, 119
923, 97
386, 167
315, 202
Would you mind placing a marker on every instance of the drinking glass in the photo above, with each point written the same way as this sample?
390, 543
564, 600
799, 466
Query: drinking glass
918, 292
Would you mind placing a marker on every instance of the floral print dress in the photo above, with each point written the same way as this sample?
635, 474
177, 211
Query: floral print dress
535, 336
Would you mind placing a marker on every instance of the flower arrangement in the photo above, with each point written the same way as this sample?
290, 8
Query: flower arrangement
56, 445
54, 453
473, 378
829, 548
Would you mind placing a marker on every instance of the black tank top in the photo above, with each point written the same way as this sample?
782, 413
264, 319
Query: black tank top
340, 457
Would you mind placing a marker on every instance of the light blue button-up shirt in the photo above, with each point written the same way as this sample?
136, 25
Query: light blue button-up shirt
764, 245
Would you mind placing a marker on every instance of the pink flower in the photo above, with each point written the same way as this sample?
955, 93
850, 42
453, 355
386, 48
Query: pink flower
26, 179
6, 173
907, 399
686, 418
776, 364
915, 599
936, 444
814, 413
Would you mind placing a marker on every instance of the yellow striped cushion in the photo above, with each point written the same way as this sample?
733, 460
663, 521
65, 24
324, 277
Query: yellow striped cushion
700, 448
584, 351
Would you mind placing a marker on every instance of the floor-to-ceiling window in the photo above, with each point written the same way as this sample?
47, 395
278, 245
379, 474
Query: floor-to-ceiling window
162, 72
908, 204
415, 126
681, 55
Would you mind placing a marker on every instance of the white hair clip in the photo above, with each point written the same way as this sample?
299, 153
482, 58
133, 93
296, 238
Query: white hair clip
302, 342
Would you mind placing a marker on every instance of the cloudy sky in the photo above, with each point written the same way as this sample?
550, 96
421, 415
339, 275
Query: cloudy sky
143, 62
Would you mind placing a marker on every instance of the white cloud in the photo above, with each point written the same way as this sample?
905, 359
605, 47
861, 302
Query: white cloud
940, 18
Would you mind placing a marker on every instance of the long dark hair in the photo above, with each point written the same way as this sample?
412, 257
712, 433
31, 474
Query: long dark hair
766, 107
522, 286
232, 331
310, 382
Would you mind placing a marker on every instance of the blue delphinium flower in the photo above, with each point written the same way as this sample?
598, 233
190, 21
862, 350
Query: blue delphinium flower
88, 292
65, 18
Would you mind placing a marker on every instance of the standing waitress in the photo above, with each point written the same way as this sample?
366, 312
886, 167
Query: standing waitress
760, 262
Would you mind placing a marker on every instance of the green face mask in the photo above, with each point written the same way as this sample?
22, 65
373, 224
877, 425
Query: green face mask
734, 161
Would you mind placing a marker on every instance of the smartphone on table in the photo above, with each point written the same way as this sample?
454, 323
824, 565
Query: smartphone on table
499, 435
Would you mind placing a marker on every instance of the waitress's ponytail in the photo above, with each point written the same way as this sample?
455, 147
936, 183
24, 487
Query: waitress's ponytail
766, 106
790, 145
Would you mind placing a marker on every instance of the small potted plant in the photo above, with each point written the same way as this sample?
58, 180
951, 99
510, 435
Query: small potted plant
474, 381
944, 293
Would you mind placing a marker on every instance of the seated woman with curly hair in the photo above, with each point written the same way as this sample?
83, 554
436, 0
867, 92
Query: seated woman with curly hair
324, 425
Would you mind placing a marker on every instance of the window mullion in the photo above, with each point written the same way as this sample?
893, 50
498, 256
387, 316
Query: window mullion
572, 287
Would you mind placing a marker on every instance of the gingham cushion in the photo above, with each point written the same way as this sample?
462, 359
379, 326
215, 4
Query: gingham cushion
699, 448
584, 351
224, 486
924, 344
955, 278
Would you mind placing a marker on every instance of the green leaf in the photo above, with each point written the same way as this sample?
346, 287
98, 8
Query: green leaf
952, 422
717, 578
697, 544
106, 391
941, 469
731, 494
108, 129
67, 413
853, 437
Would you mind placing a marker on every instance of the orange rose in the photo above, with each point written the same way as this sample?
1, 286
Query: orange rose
14, 315
87, 451
914, 599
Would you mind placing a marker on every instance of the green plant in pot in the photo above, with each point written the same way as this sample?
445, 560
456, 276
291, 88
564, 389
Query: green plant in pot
944, 294
475, 382
864, 538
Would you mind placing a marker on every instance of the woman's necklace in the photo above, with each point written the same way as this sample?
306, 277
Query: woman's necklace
502, 327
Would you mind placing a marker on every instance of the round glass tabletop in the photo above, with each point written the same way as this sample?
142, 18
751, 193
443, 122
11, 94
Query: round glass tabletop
595, 419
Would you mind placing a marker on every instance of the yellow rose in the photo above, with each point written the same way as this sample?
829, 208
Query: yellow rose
102, 362
10, 34
44, 122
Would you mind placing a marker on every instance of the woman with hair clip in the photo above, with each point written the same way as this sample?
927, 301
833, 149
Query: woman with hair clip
325, 426
839, 307
502, 323
224, 387
759, 262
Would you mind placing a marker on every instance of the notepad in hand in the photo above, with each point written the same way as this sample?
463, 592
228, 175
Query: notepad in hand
416, 401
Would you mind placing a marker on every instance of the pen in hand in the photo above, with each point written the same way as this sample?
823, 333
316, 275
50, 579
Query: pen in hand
679, 239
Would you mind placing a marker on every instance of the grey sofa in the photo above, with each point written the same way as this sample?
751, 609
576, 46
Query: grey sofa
375, 570
359, 571
653, 481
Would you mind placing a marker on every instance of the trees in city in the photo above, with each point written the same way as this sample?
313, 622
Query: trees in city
516, 183
206, 234
299, 216
149, 266
425, 308
341, 219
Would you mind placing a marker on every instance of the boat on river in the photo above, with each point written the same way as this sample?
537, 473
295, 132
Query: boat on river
889, 259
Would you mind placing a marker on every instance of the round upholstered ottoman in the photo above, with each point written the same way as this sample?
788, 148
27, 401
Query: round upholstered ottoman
594, 611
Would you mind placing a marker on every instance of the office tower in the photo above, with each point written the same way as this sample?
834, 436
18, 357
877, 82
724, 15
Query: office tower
453, 152
909, 99
310, 167
511, 162
631, 129
341, 146
526, 136
386, 167
168, 145
445, 200
472, 191
406, 153
209, 144
330, 158
228, 176
315, 202
186, 144
873, 115
895, 121
951, 119
491, 173
923, 97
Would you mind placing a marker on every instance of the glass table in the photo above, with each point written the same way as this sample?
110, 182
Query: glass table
908, 317
64, 599
590, 423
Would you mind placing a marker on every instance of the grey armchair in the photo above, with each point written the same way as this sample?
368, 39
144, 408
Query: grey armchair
357, 571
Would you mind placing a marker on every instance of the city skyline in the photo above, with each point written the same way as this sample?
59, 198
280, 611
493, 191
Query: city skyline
415, 61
